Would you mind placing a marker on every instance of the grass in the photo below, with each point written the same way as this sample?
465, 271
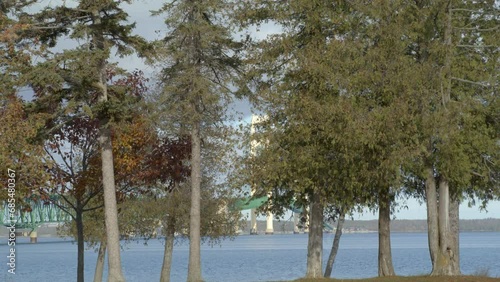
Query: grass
410, 278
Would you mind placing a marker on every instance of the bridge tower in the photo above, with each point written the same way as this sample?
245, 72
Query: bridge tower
296, 229
253, 217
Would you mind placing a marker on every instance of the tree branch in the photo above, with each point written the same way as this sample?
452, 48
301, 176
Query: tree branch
470, 81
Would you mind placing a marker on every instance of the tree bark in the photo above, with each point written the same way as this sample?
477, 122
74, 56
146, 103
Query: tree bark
443, 245
169, 224
315, 240
432, 215
167, 255
455, 233
194, 268
446, 262
99, 266
108, 175
335, 246
385, 267
80, 242
445, 256
110, 210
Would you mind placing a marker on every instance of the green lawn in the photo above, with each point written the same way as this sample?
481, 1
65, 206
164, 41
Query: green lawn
409, 278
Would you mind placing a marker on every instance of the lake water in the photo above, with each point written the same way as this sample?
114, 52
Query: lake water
249, 258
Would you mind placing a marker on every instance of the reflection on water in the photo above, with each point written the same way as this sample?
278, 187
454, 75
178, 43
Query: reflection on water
249, 258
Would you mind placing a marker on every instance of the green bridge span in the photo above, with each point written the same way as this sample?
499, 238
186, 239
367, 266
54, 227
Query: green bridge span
38, 213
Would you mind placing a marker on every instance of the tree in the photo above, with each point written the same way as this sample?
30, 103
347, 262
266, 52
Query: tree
317, 142
454, 39
73, 178
199, 56
218, 222
18, 153
18, 130
77, 81
75, 172
380, 77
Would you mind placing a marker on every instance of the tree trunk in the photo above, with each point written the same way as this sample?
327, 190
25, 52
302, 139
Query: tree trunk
447, 261
194, 268
110, 210
455, 233
445, 257
335, 246
315, 240
442, 242
169, 225
99, 266
167, 255
80, 242
385, 267
432, 215
108, 175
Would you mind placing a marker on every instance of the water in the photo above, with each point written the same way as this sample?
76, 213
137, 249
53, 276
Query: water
249, 258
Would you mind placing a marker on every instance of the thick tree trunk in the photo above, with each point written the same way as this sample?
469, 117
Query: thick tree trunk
335, 246
446, 262
385, 267
442, 242
315, 242
108, 174
80, 242
110, 210
99, 266
445, 256
194, 268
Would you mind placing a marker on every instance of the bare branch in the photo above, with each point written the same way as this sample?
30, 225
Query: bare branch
478, 29
470, 81
478, 46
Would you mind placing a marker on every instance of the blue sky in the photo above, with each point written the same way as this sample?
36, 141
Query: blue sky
151, 28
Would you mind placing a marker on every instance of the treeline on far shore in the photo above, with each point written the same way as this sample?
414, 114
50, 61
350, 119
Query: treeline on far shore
398, 225
350, 226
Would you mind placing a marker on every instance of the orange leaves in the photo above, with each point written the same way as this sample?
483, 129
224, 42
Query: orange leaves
16, 150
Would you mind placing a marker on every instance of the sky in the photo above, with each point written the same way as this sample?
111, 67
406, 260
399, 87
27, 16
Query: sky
151, 28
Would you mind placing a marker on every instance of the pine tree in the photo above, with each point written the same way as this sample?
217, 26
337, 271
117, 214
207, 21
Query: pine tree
198, 63
76, 81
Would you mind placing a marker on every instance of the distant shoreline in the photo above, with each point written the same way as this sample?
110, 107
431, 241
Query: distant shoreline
350, 226
398, 225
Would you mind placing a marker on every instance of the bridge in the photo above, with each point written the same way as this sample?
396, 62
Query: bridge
254, 203
36, 213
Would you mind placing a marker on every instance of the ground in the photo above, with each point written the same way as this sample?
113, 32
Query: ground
409, 279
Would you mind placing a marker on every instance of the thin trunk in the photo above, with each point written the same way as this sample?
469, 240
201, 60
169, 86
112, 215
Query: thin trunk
169, 237
432, 216
385, 267
99, 266
454, 237
108, 175
194, 268
335, 245
169, 248
315, 240
80, 242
